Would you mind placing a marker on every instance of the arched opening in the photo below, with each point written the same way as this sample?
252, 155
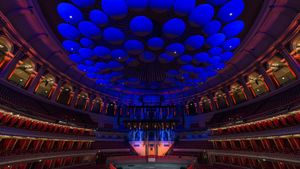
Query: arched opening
24, 73
257, 84
191, 108
65, 95
205, 104
46, 86
295, 48
237, 93
221, 99
97, 105
111, 109
6, 49
82, 101
280, 71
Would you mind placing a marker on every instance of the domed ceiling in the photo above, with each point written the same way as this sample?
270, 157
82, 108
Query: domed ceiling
157, 45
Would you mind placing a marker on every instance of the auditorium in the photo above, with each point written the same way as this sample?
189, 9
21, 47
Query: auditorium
149, 84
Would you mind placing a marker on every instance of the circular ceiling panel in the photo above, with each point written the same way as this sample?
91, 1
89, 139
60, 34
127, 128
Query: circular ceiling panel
125, 44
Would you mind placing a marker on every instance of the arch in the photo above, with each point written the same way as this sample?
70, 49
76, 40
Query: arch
66, 94
237, 93
82, 100
295, 47
46, 85
205, 104
24, 73
97, 105
220, 99
257, 84
280, 71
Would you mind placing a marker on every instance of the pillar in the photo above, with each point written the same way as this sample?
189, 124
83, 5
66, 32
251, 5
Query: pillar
57, 90
246, 89
74, 99
228, 97
11, 65
293, 63
266, 77
37, 79
213, 104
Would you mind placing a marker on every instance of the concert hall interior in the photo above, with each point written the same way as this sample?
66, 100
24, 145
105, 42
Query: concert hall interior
149, 84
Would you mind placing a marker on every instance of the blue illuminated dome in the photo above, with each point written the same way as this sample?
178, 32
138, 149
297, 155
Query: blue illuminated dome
89, 29
69, 13
68, 31
194, 42
71, 46
184, 7
137, 4
141, 25
156, 43
116, 9
147, 57
174, 28
98, 17
84, 3
161, 6
102, 52
113, 35
201, 15
134, 47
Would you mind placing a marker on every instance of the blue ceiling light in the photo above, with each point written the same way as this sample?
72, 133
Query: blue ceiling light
98, 17
68, 31
231, 44
231, 10
174, 28
175, 49
172, 73
116, 9
219, 66
212, 27
75, 58
161, 6
102, 52
115, 66
132, 62
86, 53
185, 59
165, 58
187, 68
88, 63
69, 13
226, 56
233, 28
184, 7
155, 43
141, 25
134, 47
201, 57
137, 5
86, 42
113, 35
84, 3
119, 55
201, 15
215, 51
216, 39
194, 42
89, 29
214, 60
216, 2
71, 46
82, 67
147, 57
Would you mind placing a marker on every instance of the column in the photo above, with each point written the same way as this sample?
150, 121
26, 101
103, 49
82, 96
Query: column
267, 78
11, 65
246, 89
228, 97
293, 63
90, 102
74, 99
57, 90
213, 104
37, 79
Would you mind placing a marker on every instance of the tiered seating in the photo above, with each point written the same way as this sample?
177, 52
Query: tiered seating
58, 162
280, 121
15, 145
254, 163
110, 145
193, 145
34, 107
281, 101
18, 121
